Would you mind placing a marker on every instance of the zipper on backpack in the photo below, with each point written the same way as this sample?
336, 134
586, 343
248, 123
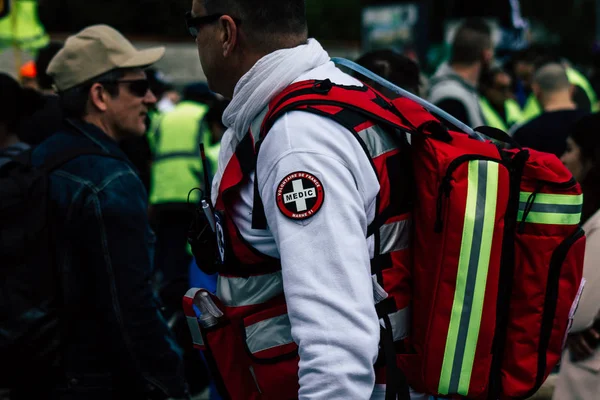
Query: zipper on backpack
445, 187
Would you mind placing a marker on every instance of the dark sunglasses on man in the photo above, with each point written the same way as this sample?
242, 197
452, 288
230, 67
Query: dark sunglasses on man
194, 24
137, 87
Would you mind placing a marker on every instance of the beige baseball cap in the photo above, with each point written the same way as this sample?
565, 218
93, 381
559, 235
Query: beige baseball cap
94, 51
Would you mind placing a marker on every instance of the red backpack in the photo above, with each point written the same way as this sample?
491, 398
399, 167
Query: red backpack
497, 249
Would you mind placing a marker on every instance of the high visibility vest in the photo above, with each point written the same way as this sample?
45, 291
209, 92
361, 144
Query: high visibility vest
492, 118
177, 166
22, 27
577, 78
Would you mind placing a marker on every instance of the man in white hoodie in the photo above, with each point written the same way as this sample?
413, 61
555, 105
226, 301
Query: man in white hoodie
250, 51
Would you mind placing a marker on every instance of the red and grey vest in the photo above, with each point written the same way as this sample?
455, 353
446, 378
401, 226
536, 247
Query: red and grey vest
253, 349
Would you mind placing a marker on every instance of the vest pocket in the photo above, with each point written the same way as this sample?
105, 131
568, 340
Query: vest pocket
272, 352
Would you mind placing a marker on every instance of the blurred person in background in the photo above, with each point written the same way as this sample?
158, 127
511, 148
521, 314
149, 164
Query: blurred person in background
454, 87
176, 169
522, 67
395, 67
119, 346
499, 108
48, 119
16, 104
548, 132
213, 121
583, 94
579, 375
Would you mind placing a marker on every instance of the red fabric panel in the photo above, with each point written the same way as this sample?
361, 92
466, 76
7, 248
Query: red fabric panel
232, 176
534, 255
329, 109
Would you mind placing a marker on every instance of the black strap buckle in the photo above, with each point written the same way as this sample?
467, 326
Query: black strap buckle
323, 87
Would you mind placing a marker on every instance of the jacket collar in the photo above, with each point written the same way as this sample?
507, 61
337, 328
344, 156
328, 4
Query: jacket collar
96, 135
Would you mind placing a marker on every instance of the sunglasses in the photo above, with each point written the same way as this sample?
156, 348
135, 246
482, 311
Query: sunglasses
137, 87
194, 24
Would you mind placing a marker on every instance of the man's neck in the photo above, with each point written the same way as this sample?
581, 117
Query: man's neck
469, 73
252, 56
558, 102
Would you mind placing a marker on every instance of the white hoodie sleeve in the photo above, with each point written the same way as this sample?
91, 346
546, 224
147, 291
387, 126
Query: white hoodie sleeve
325, 258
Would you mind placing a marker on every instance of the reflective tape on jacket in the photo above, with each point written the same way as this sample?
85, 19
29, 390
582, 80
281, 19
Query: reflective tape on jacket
253, 290
395, 236
270, 333
376, 142
550, 209
471, 281
400, 321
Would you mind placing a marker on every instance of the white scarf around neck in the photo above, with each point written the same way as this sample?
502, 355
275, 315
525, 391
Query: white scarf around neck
268, 77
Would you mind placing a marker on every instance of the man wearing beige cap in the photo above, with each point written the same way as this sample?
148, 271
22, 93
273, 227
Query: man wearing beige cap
115, 343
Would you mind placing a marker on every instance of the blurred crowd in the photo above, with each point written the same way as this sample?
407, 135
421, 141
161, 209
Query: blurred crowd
542, 100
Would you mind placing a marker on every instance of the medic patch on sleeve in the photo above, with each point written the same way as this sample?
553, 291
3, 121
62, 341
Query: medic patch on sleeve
300, 195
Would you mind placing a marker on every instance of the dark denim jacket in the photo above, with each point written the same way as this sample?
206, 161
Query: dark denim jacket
117, 341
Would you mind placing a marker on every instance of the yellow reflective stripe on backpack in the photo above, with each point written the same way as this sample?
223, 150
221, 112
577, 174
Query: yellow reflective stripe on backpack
550, 209
473, 265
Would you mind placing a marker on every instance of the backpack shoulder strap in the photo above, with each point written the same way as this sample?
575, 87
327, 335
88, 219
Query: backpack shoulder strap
345, 103
351, 106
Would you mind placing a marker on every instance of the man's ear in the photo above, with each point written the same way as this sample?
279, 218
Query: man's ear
229, 35
98, 97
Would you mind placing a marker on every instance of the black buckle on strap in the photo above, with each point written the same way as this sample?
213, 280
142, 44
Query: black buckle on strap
323, 87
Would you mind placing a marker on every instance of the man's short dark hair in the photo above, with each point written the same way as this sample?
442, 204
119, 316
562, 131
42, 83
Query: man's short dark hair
74, 100
264, 20
393, 66
472, 38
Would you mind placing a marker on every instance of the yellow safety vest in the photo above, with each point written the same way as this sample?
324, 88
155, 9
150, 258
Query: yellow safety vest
577, 78
22, 26
492, 118
177, 167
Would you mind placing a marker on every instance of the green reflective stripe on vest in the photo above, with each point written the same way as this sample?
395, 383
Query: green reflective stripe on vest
551, 209
473, 265
514, 115
492, 118
212, 153
531, 110
577, 78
